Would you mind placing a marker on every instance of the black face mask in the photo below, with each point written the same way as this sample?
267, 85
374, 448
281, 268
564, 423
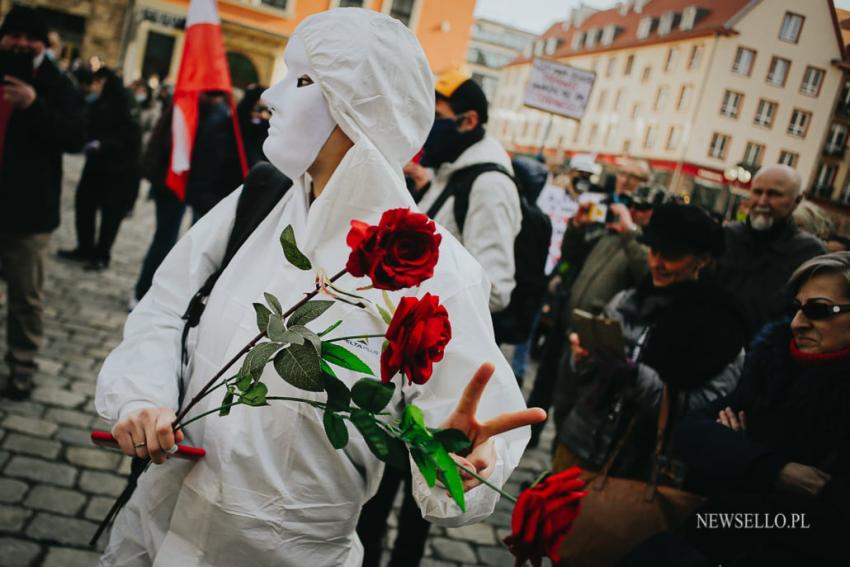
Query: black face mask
445, 142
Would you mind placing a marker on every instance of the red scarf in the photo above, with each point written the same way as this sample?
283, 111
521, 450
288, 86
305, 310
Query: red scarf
809, 359
5, 113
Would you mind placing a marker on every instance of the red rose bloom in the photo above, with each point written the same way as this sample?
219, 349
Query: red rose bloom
400, 252
543, 516
416, 339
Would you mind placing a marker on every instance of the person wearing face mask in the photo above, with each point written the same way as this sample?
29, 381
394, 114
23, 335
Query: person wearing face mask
41, 117
271, 490
763, 251
253, 123
110, 179
679, 332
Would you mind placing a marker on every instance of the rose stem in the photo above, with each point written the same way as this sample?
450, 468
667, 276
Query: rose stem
510, 497
353, 337
205, 390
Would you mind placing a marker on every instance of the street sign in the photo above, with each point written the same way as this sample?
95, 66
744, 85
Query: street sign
558, 88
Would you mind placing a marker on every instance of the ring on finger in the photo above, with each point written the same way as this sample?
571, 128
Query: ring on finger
139, 445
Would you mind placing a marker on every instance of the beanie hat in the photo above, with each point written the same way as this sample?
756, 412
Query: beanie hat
679, 228
22, 19
462, 93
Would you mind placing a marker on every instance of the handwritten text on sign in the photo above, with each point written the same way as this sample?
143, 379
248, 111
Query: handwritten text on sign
559, 88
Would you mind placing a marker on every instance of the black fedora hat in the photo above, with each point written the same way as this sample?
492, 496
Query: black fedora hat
23, 19
684, 229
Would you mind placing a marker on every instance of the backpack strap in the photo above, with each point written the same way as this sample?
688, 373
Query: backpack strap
263, 189
459, 186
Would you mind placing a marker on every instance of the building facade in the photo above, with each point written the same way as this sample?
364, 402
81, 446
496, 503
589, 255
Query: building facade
144, 38
706, 91
492, 45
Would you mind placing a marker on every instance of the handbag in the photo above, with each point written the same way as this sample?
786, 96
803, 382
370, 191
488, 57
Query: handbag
619, 513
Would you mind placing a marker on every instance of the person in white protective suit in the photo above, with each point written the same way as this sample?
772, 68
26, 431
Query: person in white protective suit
357, 102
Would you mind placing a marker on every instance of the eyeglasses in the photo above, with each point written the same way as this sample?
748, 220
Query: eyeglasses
819, 311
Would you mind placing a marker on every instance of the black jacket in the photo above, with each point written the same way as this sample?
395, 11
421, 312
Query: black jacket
36, 138
792, 415
756, 266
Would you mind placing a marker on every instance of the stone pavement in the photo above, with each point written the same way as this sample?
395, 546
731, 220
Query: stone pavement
55, 486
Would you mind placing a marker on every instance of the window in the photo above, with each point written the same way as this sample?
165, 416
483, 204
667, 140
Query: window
788, 158
645, 27
279, 4
609, 33
825, 180
672, 58
609, 69
630, 60
402, 10
637, 110
743, 61
778, 71
627, 145
673, 136
538, 48
765, 112
753, 154
661, 98
799, 123
719, 144
609, 133
649, 137
591, 137
836, 141
578, 38
551, 45
689, 18
350, 3
684, 97
667, 22
600, 102
845, 195
812, 81
618, 100
647, 71
731, 104
791, 26
591, 37
696, 57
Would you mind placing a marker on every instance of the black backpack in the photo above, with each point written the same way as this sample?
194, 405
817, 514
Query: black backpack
531, 247
264, 187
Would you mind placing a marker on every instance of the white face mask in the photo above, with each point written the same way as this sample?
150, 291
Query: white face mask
301, 121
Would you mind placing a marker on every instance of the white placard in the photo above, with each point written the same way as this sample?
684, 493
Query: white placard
558, 88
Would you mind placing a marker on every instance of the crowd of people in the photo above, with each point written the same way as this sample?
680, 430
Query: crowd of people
635, 303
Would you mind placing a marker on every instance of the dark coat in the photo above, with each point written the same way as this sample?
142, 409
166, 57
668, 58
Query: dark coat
792, 415
36, 138
756, 266
694, 344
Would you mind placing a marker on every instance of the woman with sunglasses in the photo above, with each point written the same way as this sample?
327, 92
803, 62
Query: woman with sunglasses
778, 448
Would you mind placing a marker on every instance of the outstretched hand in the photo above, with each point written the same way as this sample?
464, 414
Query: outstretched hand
482, 455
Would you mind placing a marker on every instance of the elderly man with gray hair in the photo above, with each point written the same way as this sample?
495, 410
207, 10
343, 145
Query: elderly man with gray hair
762, 252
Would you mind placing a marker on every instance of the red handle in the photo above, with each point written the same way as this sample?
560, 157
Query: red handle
105, 439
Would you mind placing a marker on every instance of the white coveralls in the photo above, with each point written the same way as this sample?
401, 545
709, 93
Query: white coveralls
271, 490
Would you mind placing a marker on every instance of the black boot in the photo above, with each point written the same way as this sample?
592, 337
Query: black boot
75, 255
20, 385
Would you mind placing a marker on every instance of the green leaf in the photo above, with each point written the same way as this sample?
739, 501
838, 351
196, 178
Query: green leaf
291, 251
453, 440
335, 429
257, 359
331, 328
278, 333
274, 303
426, 465
256, 395
309, 311
413, 428
263, 315
375, 437
307, 335
243, 381
299, 366
371, 395
339, 396
385, 315
388, 302
327, 369
338, 356
451, 475
225, 404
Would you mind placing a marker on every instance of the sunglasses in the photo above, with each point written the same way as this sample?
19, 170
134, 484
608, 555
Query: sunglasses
819, 311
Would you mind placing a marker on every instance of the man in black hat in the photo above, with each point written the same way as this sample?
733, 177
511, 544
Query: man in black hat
41, 116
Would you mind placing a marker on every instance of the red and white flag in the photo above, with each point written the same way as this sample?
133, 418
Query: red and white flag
203, 67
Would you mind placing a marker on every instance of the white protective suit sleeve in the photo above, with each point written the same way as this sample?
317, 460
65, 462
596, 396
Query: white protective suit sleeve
440, 395
143, 371
489, 231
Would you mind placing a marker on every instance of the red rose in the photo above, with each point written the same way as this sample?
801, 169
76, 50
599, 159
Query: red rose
400, 252
543, 516
416, 339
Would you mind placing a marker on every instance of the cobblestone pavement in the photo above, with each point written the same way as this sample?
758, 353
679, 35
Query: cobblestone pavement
55, 486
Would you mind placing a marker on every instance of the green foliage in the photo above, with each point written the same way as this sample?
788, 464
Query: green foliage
335, 429
225, 404
263, 314
338, 356
450, 474
257, 359
426, 465
299, 366
291, 251
331, 328
255, 395
243, 381
274, 303
309, 336
375, 437
339, 396
372, 395
385, 315
454, 440
309, 311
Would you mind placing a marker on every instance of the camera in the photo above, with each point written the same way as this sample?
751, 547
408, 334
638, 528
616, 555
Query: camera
16, 64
